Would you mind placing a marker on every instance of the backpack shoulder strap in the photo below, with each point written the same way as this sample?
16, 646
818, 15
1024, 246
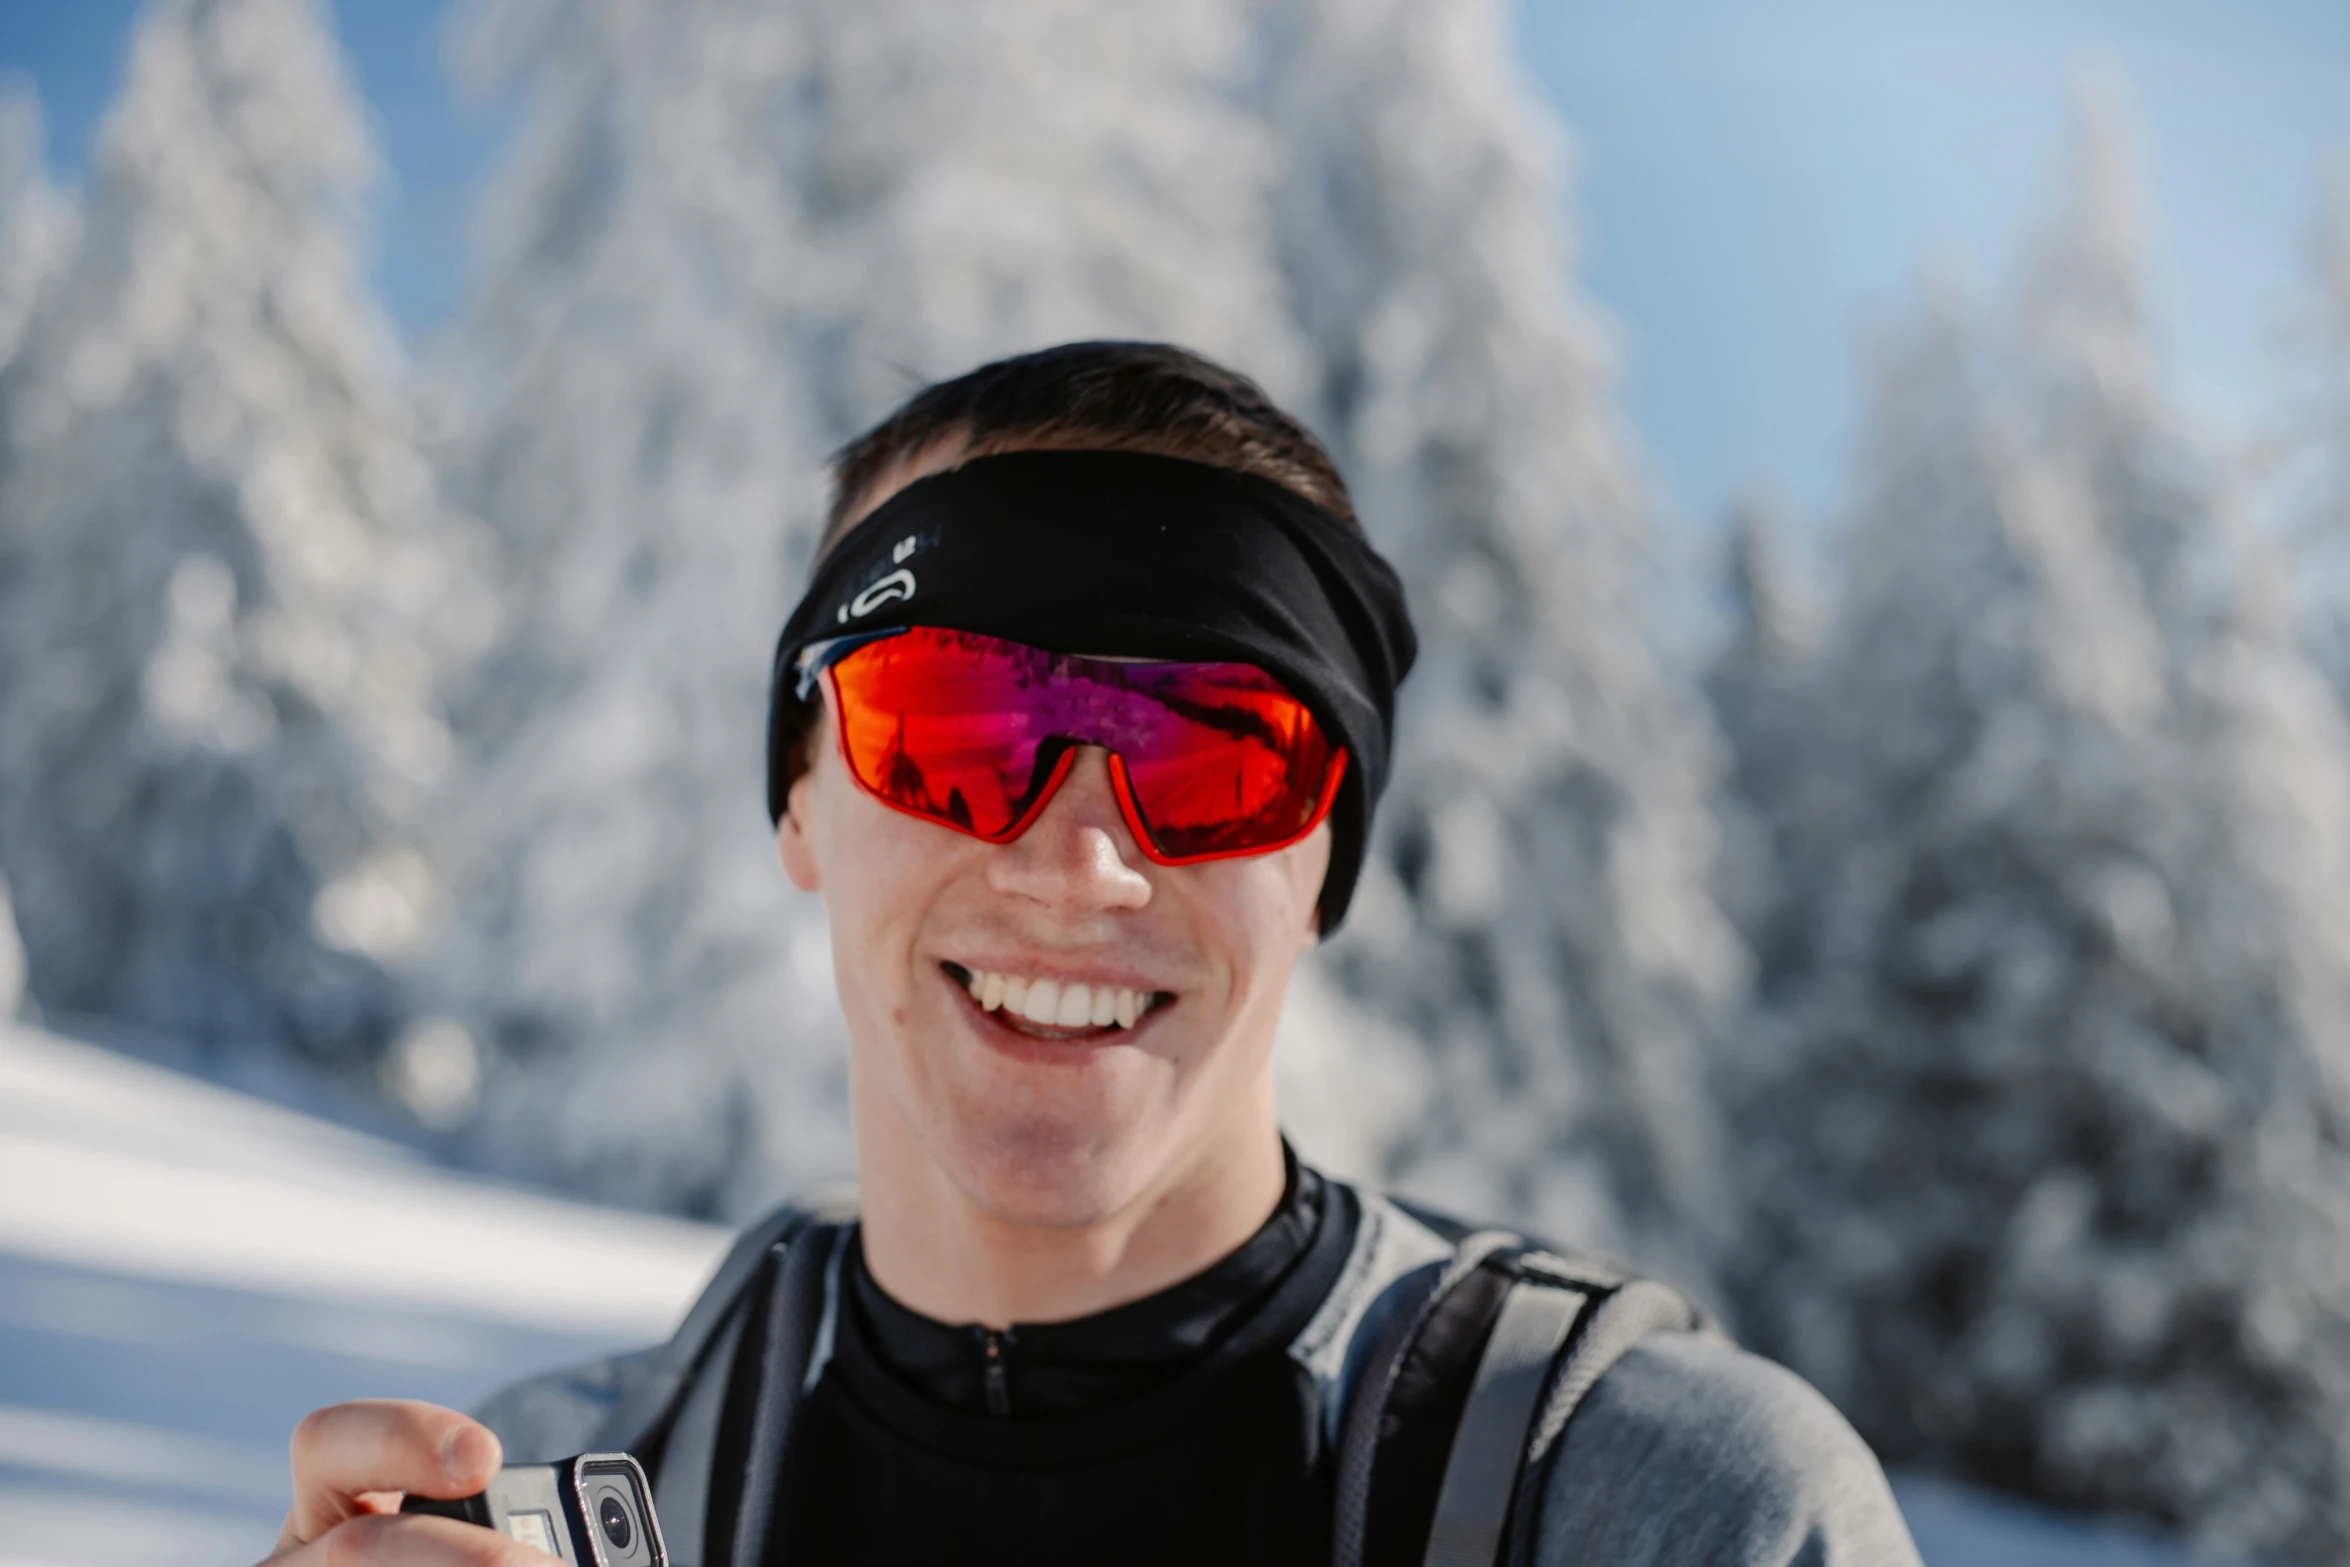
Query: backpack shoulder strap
1471, 1393
710, 1393
681, 1471
784, 1334
1488, 1446
1395, 1379
640, 1419
1611, 1326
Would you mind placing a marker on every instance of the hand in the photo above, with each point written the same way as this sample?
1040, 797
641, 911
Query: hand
353, 1462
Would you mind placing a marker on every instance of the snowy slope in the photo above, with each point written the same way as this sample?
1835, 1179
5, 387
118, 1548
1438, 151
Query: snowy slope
185, 1271
1958, 1526
108, 1163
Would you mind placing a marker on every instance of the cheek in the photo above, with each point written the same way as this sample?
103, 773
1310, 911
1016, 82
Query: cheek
1285, 889
1261, 910
882, 870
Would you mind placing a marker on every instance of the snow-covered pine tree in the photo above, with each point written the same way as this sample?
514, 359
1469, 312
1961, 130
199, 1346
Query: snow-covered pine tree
36, 221
1750, 682
222, 593
990, 179
625, 419
2047, 1119
2324, 444
36, 226
11, 958
1538, 909
735, 233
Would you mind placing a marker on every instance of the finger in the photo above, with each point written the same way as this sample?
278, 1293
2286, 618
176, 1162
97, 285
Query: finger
344, 1452
410, 1541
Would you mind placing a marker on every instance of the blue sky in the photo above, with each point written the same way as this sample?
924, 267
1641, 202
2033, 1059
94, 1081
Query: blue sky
1760, 187
1764, 188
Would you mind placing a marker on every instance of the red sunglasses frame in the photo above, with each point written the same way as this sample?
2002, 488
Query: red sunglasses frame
1121, 787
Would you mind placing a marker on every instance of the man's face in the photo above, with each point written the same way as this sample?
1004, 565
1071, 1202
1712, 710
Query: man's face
1043, 1125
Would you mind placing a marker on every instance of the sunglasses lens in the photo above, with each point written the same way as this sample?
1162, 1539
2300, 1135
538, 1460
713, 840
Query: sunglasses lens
1242, 767
967, 730
939, 723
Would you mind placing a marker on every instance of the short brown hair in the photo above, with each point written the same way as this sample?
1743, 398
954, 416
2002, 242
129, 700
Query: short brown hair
1109, 396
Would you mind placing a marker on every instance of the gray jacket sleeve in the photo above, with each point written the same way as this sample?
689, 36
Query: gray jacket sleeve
1694, 1453
558, 1414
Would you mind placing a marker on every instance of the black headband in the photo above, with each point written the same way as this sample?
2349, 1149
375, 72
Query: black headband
1137, 555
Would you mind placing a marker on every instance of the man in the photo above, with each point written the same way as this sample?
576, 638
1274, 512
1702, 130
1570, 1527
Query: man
1077, 733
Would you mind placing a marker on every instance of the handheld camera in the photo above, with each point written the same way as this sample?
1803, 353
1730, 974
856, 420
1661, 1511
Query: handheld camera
595, 1510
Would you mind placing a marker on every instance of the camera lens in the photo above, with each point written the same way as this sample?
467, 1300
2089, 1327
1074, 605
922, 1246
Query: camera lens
612, 1513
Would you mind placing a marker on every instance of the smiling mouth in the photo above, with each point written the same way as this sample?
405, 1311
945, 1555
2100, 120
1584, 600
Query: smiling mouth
1048, 1009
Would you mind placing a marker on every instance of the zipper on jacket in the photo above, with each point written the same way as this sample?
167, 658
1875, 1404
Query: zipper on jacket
999, 1388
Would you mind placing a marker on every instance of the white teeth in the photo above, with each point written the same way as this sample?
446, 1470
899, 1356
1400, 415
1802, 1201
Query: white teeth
1056, 1005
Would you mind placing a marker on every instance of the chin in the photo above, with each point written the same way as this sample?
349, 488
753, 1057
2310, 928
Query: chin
1046, 1143
1046, 1174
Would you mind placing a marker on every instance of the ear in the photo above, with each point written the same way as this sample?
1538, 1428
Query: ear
793, 843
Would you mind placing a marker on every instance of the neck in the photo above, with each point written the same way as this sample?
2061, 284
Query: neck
936, 1248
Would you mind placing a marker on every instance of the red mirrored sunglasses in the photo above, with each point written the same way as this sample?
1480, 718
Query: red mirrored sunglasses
976, 733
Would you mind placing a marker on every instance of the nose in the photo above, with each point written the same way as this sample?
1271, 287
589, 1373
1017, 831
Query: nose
1077, 857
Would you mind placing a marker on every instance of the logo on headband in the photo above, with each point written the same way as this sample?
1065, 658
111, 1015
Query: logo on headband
899, 584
